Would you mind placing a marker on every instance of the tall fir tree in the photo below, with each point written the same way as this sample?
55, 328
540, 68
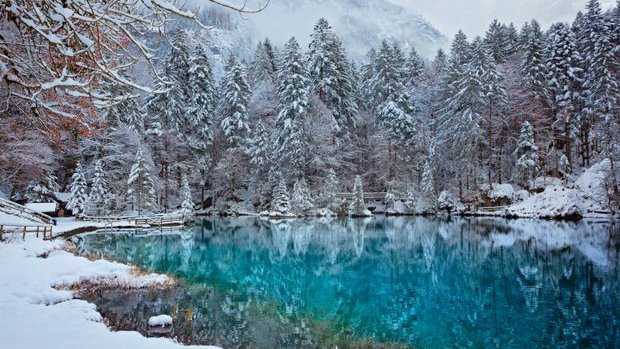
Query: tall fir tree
330, 76
301, 201
532, 66
293, 110
528, 163
414, 68
187, 204
234, 105
77, 202
99, 197
280, 202
140, 184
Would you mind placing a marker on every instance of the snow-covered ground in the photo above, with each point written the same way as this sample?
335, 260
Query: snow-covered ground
36, 312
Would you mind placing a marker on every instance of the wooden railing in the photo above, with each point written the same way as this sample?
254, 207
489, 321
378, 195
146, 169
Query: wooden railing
368, 196
158, 219
15, 209
26, 229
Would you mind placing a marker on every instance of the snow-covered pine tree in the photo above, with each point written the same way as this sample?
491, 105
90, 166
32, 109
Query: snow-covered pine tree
511, 40
234, 105
411, 201
494, 98
390, 198
330, 76
262, 69
43, 191
293, 107
329, 189
203, 100
427, 201
187, 205
601, 84
259, 151
358, 206
563, 66
99, 198
78, 186
460, 55
140, 183
124, 109
495, 41
533, 65
280, 202
301, 201
414, 68
528, 163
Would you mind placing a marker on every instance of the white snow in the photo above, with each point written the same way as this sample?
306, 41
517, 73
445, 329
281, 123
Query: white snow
555, 202
42, 207
15, 221
160, 320
38, 313
500, 191
592, 181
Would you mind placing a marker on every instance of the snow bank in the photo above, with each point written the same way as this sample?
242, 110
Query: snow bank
500, 191
160, 320
42, 316
592, 182
555, 202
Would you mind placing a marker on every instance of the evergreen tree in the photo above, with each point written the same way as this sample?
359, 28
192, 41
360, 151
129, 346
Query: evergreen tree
496, 41
511, 38
358, 206
390, 198
301, 201
426, 204
330, 76
234, 107
187, 205
528, 163
99, 193
261, 69
124, 109
77, 202
280, 202
259, 150
415, 67
564, 73
533, 66
329, 189
293, 111
203, 100
141, 184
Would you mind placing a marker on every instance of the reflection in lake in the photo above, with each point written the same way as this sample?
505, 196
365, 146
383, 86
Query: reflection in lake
381, 282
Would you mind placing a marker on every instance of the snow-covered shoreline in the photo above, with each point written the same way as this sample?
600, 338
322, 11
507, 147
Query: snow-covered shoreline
39, 311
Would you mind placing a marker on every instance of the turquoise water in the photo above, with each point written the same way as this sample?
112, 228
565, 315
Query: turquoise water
382, 282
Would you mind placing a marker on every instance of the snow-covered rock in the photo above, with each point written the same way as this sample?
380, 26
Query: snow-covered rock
541, 183
556, 202
160, 320
593, 182
499, 191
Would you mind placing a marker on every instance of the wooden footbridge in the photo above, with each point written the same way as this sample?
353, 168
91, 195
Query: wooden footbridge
18, 218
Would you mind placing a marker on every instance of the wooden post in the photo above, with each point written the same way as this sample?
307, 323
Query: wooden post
37, 231
1, 231
24, 234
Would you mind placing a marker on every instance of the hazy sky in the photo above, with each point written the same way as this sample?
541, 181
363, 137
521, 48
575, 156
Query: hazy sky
473, 16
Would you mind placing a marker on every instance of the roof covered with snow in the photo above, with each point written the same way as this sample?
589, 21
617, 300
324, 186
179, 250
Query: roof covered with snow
42, 207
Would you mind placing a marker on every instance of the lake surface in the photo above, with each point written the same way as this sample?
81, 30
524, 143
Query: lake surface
374, 283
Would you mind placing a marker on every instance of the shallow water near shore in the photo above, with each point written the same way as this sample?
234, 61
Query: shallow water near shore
373, 283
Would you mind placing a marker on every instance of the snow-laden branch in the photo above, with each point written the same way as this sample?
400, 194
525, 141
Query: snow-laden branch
56, 52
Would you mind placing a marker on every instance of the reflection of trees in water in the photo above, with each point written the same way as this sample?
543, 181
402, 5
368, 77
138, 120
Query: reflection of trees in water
423, 281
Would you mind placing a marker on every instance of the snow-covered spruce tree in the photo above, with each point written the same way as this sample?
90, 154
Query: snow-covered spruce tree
411, 201
528, 163
393, 108
99, 198
43, 191
390, 198
358, 206
234, 105
301, 201
203, 100
494, 99
601, 83
259, 151
124, 110
495, 41
329, 189
533, 65
79, 198
414, 68
447, 202
262, 69
330, 76
280, 202
288, 151
564, 76
141, 185
187, 205
427, 201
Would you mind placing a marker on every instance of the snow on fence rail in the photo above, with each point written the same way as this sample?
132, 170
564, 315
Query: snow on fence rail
159, 219
17, 210
25, 229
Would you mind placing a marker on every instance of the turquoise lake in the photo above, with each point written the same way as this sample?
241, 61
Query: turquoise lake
406, 282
